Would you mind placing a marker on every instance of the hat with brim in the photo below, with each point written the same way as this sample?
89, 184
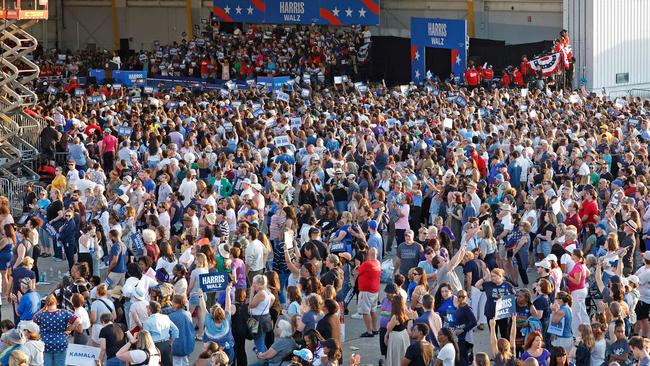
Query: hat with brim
139, 293
28, 325
224, 250
632, 225
211, 218
543, 264
115, 292
345, 255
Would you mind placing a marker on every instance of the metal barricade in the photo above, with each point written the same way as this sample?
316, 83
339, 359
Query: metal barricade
15, 192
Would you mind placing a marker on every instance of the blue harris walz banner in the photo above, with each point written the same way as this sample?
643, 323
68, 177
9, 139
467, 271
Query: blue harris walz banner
325, 12
215, 281
128, 78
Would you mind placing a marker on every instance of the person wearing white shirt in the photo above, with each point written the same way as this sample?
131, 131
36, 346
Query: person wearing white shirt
188, 188
447, 354
254, 255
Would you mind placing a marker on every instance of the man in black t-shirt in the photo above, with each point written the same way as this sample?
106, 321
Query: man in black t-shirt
420, 352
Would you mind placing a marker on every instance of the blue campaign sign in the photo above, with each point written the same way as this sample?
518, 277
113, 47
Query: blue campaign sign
324, 12
127, 78
437, 33
215, 281
505, 307
275, 83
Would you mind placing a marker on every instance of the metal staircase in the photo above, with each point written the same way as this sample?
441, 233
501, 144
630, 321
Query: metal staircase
19, 132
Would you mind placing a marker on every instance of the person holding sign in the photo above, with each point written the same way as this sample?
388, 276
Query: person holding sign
561, 322
503, 350
495, 287
218, 324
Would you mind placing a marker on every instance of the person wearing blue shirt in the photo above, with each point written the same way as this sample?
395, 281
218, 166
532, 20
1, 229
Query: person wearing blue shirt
469, 211
183, 346
30, 301
116, 260
163, 332
374, 239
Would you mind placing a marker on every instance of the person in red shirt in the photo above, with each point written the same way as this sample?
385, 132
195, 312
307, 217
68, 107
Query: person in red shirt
472, 77
205, 67
589, 213
518, 78
487, 76
93, 128
525, 68
505, 79
369, 275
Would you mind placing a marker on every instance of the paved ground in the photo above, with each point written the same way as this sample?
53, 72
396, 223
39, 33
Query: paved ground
368, 348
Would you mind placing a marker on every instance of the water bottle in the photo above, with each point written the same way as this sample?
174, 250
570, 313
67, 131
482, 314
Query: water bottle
42, 277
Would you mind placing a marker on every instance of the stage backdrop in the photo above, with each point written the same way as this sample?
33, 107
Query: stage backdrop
325, 12
438, 33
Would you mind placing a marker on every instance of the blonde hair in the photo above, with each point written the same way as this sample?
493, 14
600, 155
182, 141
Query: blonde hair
144, 341
201, 261
18, 358
102, 290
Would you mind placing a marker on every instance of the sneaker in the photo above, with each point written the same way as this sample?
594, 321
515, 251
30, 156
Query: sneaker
375, 332
356, 316
367, 335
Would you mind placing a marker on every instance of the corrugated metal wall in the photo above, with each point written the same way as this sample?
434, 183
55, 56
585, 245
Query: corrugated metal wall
610, 37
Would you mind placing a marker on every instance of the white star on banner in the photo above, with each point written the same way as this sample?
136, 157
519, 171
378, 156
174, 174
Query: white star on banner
417, 74
335, 11
238, 9
227, 9
362, 13
250, 10
348, 12
458, 59
417, 55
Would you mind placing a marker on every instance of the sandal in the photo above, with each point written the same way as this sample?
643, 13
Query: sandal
367, 335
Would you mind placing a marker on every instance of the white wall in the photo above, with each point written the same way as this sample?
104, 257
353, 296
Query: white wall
610, 37
512, 21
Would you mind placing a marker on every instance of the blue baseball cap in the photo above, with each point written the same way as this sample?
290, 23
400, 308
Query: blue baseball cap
618, 182
372, 224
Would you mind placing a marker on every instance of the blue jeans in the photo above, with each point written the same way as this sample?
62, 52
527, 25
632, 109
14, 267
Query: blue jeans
114, 362
284, 277
259, 343
54, 358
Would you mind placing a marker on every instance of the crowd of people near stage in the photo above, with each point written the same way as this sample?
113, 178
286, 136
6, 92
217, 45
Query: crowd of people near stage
261, 50
435, 213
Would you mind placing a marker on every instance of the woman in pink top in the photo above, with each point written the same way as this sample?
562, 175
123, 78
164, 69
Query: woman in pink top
576, 280
402, 224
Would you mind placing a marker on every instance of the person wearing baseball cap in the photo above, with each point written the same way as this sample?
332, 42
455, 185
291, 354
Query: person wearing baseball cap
374, 239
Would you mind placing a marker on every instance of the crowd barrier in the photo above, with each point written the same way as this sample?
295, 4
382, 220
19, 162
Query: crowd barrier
15, 192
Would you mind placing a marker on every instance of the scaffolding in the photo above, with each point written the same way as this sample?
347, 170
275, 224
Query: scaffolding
19, 131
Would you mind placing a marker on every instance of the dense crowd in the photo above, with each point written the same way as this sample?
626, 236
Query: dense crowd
518, 215
261, 50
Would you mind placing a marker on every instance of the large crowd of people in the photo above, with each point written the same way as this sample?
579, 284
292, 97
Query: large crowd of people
519, 216
260, 50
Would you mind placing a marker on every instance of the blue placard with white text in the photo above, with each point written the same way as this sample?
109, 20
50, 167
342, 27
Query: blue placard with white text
324, 12
505, 307
438, 33
215, 281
